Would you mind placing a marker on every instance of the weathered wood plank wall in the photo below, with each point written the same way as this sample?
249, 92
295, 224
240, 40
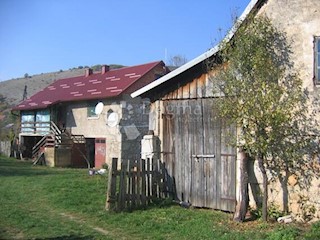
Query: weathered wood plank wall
197, 153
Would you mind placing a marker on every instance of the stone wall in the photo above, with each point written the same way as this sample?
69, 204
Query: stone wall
133, 126
300, 19
303, 203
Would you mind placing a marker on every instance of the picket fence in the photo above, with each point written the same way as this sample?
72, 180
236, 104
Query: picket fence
136, 184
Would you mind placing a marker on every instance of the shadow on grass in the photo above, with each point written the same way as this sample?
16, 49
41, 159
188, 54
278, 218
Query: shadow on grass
69, 237
12, 167
155, 204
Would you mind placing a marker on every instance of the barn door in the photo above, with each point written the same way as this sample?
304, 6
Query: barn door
168, 152
197, 154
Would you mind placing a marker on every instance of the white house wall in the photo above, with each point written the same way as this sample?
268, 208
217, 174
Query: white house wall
300, 19
123, 139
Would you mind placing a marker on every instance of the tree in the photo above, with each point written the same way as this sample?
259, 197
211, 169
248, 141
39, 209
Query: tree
178, 60
263, 95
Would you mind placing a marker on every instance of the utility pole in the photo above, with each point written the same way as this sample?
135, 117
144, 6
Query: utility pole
24, 93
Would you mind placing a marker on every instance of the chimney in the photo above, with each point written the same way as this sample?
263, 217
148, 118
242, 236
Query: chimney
88, 72
104, 69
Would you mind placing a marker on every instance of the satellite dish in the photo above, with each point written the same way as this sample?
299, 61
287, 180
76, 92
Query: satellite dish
112, 119
98, 109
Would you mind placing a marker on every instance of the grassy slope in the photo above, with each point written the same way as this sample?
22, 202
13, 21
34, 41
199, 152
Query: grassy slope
39, 202
13, 89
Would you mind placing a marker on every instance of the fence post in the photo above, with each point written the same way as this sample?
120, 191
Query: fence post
148, 180
130, 188
138, 182
154, 178
143, 183
164, 182
133, 184
112, 183
122, 186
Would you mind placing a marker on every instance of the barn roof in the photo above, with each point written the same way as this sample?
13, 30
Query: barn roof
100, 85
199, 59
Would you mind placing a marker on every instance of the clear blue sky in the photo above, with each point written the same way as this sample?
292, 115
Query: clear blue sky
39, 36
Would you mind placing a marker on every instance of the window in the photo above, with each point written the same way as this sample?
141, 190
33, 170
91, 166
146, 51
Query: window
43, 121
27, 121
317, 60
91, 109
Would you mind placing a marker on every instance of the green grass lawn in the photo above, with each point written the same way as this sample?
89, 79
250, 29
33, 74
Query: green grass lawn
53, 203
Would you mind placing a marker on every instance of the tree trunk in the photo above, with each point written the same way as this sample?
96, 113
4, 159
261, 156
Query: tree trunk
242, 204
285, 193
265, 189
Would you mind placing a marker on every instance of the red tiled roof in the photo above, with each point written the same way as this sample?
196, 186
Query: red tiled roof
95, 86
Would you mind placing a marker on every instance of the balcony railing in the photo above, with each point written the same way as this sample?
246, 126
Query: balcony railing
37, 128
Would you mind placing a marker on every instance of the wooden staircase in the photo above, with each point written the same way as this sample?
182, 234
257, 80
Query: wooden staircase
59, 139
38, 150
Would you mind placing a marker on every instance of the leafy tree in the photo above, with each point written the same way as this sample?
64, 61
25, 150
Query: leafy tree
178, 60
263, 95
96, 67
116, 66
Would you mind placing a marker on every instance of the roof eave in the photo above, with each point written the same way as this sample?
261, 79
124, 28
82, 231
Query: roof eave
200, 58
175, 72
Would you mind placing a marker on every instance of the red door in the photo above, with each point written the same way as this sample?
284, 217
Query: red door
100, 152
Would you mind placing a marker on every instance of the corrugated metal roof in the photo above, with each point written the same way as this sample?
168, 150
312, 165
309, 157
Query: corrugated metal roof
95, 86
198, 59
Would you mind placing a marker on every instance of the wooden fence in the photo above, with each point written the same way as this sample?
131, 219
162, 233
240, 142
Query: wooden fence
136, 184
5, 148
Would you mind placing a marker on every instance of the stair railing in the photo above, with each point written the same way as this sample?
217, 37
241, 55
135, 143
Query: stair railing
56, 131
45, 141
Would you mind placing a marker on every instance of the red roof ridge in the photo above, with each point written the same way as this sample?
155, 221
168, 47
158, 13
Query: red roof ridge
153, 64
93, 86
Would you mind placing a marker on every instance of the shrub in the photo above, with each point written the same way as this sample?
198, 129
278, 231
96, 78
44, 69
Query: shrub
284, 233
273, 212
105, 166
314, 232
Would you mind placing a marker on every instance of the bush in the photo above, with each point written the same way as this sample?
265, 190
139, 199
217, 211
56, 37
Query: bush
105, 166
273, 212
314, 232
284, 233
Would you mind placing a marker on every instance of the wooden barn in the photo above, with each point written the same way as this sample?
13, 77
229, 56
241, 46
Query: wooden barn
203, 167
194, 141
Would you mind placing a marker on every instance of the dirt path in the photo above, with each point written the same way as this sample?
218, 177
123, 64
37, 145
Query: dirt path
77, 220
